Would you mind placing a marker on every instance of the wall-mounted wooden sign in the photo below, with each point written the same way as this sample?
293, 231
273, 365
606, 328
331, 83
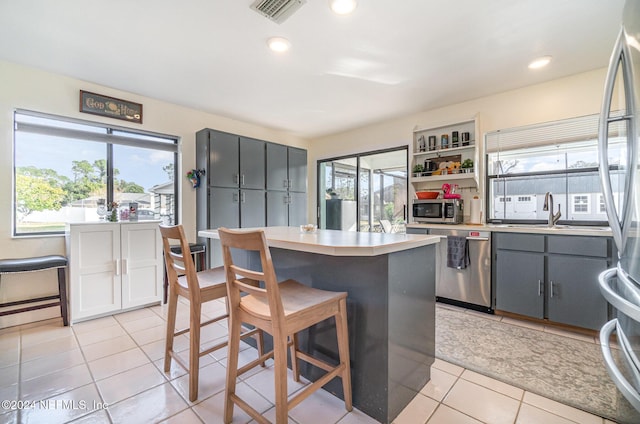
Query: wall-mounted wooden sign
98, 104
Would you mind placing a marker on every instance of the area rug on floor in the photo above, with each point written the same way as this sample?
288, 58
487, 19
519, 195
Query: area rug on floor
567, 370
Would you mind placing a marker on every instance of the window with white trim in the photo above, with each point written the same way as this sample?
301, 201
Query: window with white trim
580, 203
555, 157
601, 206
63, 168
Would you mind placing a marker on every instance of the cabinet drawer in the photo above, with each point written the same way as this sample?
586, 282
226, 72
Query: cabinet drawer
578, 245
518, 241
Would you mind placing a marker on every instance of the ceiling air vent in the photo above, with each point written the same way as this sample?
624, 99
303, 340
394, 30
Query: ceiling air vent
277, 10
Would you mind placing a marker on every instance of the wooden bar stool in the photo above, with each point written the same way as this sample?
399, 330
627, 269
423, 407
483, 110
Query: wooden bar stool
198, 288
198, 251
282, 310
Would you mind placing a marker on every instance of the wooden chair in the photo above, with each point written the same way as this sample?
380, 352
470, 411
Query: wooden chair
198, 288
282, 310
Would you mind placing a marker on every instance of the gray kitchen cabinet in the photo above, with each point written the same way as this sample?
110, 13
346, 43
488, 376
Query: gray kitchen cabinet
574, 297
224, 207
224, 158
277, 170
286, 168
252, 163
519, 282
286, 208
277, 208
252, 208
233, 161
552, 277
297, 208
233, 191
297, 161
286, 185
233, 208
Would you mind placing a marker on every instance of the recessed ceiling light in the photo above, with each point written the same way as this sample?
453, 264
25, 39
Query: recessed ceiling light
540, 62
343, 7
279, 44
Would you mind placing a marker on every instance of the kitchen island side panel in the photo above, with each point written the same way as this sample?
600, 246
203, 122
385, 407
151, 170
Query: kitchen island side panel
412, 303
391, 316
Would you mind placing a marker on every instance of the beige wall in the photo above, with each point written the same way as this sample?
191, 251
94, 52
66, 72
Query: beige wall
562, 98
32, 89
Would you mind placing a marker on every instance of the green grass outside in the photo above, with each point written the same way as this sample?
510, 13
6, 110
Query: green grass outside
37, 227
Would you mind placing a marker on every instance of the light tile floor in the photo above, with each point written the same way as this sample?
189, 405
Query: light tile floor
109, 370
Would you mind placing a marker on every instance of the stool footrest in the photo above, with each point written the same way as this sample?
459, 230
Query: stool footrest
29, 308
22, 302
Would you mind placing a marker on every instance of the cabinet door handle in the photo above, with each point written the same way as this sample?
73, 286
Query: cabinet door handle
539, 287
242, 180
286, 183
117, 266
550, 288
236, 179
289, 183
124, 266
243, 196
236, 197
285, 199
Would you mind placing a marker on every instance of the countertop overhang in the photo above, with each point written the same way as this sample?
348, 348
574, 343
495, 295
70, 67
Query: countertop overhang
337, 243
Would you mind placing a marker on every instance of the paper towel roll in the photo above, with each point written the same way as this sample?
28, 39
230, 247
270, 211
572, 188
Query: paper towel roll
475, 215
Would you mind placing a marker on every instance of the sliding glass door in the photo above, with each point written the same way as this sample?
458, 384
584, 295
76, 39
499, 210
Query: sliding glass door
364, 192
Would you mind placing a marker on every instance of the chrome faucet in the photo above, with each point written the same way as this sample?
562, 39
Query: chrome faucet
548, 206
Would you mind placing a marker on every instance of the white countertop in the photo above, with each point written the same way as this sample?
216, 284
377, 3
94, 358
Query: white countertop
338, 243
566, 230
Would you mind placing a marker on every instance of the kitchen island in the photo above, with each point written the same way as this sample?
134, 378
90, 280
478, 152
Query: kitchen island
390, 280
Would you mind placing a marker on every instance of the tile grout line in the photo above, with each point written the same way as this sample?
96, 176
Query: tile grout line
93, 380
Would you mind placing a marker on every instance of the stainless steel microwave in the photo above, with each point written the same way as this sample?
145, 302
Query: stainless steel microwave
442, 211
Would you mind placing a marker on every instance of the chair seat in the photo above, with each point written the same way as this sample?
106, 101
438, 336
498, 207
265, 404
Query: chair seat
212, 283
8, 266
296, 297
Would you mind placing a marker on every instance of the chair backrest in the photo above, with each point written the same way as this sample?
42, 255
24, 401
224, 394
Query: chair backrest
386, 225
241, 280
179, 264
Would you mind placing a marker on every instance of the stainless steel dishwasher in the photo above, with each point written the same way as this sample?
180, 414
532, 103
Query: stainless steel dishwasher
471, 286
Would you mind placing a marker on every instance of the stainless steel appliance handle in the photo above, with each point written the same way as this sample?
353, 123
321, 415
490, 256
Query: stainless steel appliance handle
632, 358
478, 238
550, 288
618, 378
539, 287
625, 306
619, 223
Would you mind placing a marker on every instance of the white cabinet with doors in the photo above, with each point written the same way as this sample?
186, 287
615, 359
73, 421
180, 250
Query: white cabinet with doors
113, 267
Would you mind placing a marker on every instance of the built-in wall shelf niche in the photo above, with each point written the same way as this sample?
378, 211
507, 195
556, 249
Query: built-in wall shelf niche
446, 152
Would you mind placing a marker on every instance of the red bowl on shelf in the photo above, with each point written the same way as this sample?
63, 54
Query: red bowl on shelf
427, 194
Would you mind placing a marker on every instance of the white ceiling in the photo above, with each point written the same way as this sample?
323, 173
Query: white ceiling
389, 58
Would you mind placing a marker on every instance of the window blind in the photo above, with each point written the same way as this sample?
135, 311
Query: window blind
49, 125
549, 133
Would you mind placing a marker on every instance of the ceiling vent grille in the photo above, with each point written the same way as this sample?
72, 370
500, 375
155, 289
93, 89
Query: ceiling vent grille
277, 10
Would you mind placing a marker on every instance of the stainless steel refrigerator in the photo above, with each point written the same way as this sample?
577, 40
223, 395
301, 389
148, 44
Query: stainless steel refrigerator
619, 152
